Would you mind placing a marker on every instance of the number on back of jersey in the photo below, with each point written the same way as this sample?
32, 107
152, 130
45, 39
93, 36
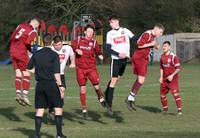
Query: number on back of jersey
18, 35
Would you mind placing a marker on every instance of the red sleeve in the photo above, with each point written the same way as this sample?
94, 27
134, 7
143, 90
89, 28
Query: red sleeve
31, 37
97, 49
74, 45
14, 33
177, 63
143, 39
12, 36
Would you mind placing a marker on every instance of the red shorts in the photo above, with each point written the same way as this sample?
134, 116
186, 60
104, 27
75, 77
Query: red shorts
166, 86
19, 61
83, 74
139, 66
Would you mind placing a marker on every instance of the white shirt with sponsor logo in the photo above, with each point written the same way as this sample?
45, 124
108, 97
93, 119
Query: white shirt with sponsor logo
119, 41
64, 53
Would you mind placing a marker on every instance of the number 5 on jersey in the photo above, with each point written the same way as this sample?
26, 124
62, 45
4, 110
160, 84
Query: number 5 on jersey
19, 33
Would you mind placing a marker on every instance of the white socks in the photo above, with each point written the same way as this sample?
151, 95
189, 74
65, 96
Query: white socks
131, 96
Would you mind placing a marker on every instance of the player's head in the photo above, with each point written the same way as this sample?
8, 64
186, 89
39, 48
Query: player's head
34, 22
166, 46
57, 42
114, 22
47, 39
158, 30
89, 32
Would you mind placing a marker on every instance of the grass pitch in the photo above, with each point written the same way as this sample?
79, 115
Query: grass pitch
147, 122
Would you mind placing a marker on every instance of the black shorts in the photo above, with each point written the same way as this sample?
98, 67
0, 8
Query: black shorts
117, 67
47, 95
62, 76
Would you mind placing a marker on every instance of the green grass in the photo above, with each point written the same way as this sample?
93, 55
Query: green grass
147, 122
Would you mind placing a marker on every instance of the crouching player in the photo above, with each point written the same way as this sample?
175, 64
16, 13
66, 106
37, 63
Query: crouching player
169, 68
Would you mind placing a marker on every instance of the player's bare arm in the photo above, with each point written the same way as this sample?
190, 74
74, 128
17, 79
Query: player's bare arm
72, 59
157, 46
151, 44
122, 55
31, 70
161, 76
170, 77
100, 57
79, 52
59, 83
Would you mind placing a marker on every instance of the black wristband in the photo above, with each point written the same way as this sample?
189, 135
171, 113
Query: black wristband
61, 85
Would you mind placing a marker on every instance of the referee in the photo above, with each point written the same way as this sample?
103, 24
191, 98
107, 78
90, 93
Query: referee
49, 91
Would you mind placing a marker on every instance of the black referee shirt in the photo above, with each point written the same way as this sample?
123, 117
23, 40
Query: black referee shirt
46, 63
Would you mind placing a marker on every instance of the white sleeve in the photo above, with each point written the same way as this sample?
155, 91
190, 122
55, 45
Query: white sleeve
108, 39
71, 53
52, 48
129, 33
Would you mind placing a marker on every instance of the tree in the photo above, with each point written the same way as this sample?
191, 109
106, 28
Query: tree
12, 12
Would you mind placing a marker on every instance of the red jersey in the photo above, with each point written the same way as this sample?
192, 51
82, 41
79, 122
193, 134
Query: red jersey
145, 38
169, 63
90, 49
21, 38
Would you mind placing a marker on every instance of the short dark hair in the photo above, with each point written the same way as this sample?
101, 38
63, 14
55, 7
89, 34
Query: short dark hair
47, 39
34, 18
167, 42
159, 26
113, 17
57, 39
89, 26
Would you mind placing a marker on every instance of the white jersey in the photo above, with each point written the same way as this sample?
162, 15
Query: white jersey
119, 41
64, 53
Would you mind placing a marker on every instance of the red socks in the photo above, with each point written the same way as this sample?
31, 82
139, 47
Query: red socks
83, 100
136, 86
164, 102
26, 84
99, 93
178, 101
18, 86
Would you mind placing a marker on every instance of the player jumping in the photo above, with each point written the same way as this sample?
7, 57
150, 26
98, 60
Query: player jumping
140, 60
118, 45
20, 42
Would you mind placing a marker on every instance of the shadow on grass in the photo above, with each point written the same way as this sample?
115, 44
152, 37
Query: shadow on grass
166, 134
154, 110
149, 108
169, 113
30, 133
9, 113
116, 115
30, 115
75, 116
92, 116
45, 120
